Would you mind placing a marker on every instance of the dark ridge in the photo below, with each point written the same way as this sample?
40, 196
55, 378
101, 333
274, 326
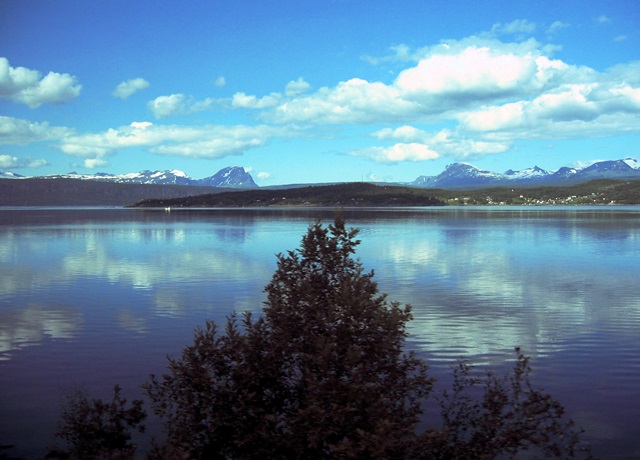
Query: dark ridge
74, 192
349, 194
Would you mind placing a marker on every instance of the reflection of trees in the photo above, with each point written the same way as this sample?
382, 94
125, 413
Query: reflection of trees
33, 324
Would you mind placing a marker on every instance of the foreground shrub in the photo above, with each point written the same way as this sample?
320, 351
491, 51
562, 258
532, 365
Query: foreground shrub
94, 429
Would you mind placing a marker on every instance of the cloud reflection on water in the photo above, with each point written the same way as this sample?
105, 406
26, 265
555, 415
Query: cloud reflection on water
179, 275
21, 327
536, 285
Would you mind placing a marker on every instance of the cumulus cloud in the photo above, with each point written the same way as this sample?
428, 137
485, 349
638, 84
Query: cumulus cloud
130, 87
476, 74
491, 92
220, 81
442, 143
296, 87
21, 132
263, 175
92, 163
247, 101
352, 101
178, 104
448, 78
27, 86
210, 141
594, 109
13, 162
397, 152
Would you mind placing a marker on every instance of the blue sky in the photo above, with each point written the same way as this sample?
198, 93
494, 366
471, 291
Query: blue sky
316, 91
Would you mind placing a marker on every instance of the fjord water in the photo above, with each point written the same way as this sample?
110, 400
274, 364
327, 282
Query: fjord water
94, 297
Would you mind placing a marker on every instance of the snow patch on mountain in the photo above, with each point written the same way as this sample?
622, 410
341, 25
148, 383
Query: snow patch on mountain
528, 173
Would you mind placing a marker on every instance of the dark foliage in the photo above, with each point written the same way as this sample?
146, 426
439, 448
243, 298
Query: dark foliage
350, 194
321, 375
486, 417
93, 429
77, 192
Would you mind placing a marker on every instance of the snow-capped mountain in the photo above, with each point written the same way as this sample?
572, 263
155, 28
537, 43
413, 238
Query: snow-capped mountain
233, 177
456, 175
529, 173
9, 175
143, 177
460, 175
230, 177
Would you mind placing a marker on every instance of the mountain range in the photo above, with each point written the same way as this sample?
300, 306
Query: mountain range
464, 175
230, 177
455, 176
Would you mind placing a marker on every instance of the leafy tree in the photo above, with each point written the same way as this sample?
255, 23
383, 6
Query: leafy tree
94, 429
322, 374
508, 417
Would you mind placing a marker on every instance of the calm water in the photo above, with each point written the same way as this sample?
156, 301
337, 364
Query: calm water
93, 297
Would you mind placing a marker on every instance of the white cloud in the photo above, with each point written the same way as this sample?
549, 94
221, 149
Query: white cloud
397, 153
296, 87
449, 77
28, 87
603, 19
444, 142
246, 101
403, 133
129, 87
571, 110
178, 104
92, 163
13, 162
475, 74
491, 92
262, 175
209, 141
352, 101
21, 132
220, 81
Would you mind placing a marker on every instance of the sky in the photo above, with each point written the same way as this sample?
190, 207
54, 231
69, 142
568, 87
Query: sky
317, 90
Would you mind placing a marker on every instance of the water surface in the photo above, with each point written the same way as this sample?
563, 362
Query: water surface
94, 297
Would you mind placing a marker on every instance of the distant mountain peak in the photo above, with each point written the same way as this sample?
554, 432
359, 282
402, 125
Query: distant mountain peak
232, 177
